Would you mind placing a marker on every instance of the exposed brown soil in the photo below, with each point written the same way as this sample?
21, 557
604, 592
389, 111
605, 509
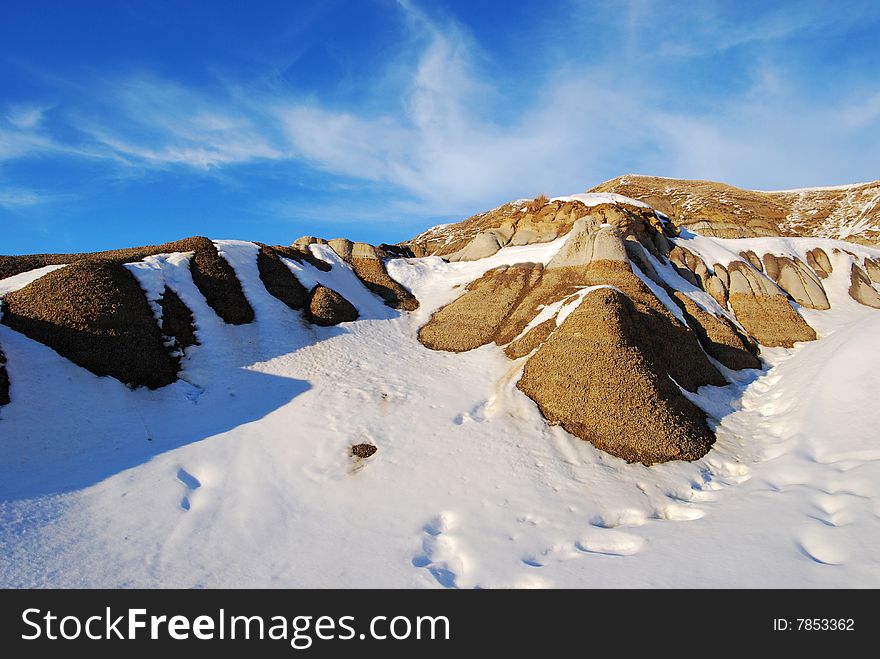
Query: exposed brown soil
95, 314
327, 307
531, 340
363, 451
177, 319
279, 280
600, 376
553, 285
473, 319
373, 274
298, 254
718, 336
216, 280
770, 319
212, 274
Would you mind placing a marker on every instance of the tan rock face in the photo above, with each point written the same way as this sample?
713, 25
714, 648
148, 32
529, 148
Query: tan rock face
342, 247
599, 376
304, 241
524, 223
715, 287
715, 209
795, 278
474, 318
754, 259
327, 307
872, 268
818, 260
588, 241
693, 269
860, 288
484, 244
763, 310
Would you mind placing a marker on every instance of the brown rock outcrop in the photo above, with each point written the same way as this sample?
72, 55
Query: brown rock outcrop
279, 280
473, 319
95, 314
367, 263
177, 320
720, 338
327, 307
762, 309
600, 377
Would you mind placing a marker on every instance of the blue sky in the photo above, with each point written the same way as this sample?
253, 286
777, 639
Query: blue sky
146, 121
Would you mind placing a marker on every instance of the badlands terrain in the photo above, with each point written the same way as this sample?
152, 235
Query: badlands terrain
656, 383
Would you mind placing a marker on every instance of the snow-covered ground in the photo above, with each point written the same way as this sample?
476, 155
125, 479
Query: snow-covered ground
239, 475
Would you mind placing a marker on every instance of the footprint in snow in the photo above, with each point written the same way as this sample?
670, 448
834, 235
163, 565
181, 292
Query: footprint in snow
610, 542
440, 554
191, 483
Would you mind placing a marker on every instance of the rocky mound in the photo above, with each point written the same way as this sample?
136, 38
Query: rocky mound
95, 314
724, 211
536, 221
327, 307
367, 263
818, 260
720, 338
611, 369
279, 280
763, 310
474, 318
795, 278
212, 274
600, 377
860, 288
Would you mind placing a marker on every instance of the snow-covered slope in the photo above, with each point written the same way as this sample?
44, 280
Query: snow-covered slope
239, 474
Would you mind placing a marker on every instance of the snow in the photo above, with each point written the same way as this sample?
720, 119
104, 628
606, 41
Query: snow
21, 280
596, 198
238, 475
826, 188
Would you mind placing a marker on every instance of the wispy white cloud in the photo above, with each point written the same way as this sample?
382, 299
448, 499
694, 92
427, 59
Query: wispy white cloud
24, 116
157, 122
445, 149
13, 198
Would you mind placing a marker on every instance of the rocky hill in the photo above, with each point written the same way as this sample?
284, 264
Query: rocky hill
847, 212
170, 412
636, 300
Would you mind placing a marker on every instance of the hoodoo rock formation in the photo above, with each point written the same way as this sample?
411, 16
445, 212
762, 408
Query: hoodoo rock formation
616, 307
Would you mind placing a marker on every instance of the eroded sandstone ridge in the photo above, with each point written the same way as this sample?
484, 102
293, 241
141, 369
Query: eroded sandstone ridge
627, 316
614, 306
